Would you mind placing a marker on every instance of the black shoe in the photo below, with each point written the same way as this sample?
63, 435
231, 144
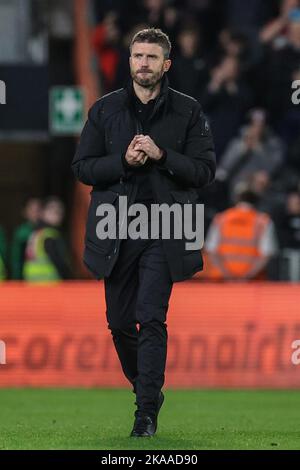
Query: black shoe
144, 426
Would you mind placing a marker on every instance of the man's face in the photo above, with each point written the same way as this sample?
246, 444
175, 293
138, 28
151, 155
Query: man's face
32, 210
53, 214
147, 64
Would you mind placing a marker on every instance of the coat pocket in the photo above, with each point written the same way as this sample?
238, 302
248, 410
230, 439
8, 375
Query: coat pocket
191, 219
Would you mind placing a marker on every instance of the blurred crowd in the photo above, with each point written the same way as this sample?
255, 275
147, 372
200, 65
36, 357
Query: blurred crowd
239, 60
38, 252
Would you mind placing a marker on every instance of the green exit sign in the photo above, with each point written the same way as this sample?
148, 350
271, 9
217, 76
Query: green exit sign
67, 110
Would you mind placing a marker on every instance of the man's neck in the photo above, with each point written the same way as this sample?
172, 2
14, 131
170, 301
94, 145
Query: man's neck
146, 94
245, 205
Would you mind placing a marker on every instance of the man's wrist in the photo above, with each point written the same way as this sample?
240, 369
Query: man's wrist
126, 165
163, 157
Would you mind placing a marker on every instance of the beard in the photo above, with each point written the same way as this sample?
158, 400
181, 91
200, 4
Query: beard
149, 80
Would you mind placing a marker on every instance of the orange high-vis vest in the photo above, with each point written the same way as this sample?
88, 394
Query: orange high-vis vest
240, 232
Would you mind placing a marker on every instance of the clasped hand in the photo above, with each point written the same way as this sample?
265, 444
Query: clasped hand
140, 149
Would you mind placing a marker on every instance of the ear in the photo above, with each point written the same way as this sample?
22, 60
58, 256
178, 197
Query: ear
167, 65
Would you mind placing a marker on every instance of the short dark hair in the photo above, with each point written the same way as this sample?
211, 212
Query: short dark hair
155, 36
52, 200
246, 194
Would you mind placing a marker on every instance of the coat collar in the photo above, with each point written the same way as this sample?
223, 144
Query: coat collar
162, 96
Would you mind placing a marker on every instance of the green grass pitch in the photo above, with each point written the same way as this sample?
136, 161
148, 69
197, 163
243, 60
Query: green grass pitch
189, 419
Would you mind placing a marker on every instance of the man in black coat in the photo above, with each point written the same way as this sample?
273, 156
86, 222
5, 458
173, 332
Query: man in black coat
153, 145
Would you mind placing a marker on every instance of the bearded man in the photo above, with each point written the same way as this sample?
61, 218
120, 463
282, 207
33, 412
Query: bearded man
153, 145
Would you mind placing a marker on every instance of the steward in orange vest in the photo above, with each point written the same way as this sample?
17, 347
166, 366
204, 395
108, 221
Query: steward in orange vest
240, 242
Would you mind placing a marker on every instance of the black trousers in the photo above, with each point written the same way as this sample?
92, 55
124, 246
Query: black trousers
137, 298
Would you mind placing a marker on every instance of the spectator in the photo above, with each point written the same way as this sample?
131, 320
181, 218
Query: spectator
289, 226
233, 44
274, 32
31, 214
271, 198
105, 6
257, 148
250, 16
280, 68
210, 14
189, 72
225, 100
240, 241
46, 258
159, 14
105, 40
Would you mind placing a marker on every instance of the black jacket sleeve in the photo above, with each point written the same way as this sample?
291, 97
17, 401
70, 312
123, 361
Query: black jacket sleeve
196, 166
91, 165
55, 249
